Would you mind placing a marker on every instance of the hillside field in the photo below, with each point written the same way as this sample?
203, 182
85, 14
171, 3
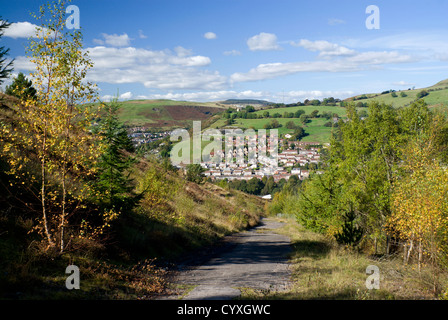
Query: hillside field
166, 114
315, 129
438, 96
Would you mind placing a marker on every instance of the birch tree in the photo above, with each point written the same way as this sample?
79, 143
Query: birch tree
419, 208
55, 126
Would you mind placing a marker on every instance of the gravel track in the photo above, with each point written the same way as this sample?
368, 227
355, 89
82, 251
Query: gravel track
255, 259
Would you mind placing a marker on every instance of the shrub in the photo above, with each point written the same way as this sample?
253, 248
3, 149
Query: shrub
422, 94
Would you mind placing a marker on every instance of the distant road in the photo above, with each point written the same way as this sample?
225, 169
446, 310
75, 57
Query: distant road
255, 259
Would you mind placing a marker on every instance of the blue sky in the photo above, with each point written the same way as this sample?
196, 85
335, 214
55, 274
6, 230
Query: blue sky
281, 51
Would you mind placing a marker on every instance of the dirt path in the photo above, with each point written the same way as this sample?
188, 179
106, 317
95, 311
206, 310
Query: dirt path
255, 259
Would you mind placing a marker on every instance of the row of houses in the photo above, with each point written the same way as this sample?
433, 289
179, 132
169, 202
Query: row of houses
265, 166
138, 138
247, 174
290, 158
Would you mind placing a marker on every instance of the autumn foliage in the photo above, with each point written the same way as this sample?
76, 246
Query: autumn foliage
419, 208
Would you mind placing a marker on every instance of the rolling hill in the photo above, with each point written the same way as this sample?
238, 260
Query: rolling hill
437, 96
161, 115
243, 102
166, 114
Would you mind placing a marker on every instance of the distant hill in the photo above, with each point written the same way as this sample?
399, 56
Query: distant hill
161, 115
166, 114
437, 96
246, 102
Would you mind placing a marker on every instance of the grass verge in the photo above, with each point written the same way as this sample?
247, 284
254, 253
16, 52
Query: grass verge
323, 270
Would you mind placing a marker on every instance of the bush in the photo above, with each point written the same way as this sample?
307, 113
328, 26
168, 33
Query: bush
422, 94
350, 235
291, 125
194, 173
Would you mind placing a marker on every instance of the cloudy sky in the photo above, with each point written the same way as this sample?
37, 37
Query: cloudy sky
281, 51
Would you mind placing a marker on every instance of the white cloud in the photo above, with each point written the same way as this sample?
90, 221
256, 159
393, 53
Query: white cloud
335, 22
273, 70
154, 69
426, 44
232, 53
356, 62
263, 42
22, 30
326, 48
114, 40
107, 98
380, 57
182, 52
23, 63
287, 97
210, 35
301, 95
403, 84
141, 35
126, 95
211, 95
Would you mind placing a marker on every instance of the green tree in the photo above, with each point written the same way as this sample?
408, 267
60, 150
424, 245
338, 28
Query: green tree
21, 88
304, 118
5, 67
113, 182
195, 173
298, 113
250, 109
275, 124
367, 157
314, 114
254, 186
291, 125
422, 94
318, 205
269, 186
350, 233
298, 134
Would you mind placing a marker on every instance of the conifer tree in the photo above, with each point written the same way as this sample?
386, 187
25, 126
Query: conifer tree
113, 181
5, 67
21, 88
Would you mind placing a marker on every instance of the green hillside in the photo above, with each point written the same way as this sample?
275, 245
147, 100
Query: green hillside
166, 114
437, 96
169, 114
315, 128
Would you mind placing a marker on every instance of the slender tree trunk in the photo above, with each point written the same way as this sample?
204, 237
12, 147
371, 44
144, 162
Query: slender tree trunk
65, 151
411, 246
63, 210
44, 212
387, 244
420, 255
405, 252
375, 242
